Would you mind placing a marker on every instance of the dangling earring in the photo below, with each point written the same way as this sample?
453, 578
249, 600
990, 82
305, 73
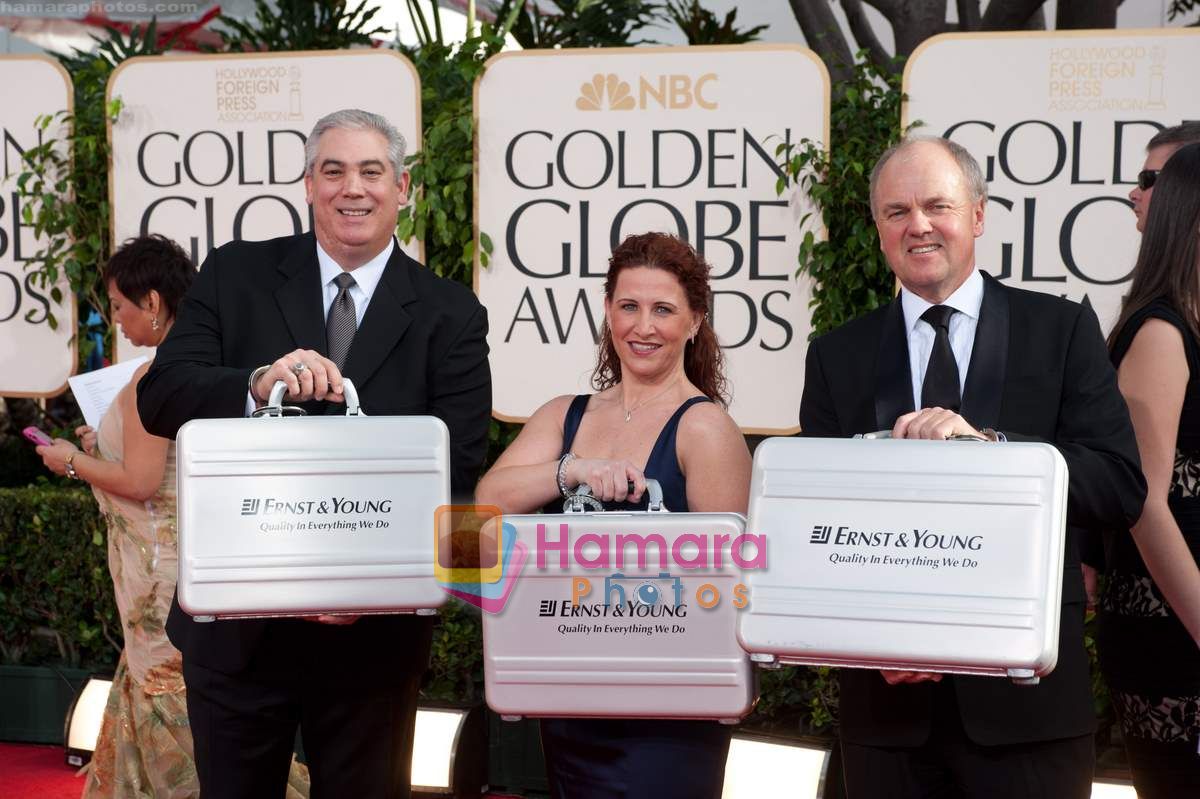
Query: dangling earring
154, 323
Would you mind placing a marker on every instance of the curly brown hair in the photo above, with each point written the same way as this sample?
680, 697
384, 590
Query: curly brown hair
703, 360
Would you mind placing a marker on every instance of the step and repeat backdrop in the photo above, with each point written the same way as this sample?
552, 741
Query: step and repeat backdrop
210, 149
577, 149
35, 358
1059, 121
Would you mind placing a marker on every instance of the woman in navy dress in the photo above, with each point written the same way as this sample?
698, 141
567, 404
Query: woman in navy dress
659, 412
1150, 610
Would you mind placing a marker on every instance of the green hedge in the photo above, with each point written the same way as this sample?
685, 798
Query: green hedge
56, 598
19, 463
56, 595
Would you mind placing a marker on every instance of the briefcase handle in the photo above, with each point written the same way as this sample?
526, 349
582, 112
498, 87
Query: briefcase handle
581, 499
881, 434
275, 407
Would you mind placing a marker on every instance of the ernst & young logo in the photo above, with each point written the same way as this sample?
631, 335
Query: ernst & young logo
843, 535
319, 515
331, 506
608, 92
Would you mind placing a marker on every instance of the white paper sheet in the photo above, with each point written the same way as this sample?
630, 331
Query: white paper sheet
95, 391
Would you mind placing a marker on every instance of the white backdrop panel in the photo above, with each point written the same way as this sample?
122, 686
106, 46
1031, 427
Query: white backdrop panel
1059, 121
578, 149
35, 360
209, 149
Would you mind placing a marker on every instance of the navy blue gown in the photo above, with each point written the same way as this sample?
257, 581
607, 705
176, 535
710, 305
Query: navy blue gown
636, 758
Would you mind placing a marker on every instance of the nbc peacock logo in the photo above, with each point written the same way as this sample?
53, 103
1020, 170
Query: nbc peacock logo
592, 95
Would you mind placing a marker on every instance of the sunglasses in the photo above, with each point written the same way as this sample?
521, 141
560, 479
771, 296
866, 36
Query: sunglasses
1146, 178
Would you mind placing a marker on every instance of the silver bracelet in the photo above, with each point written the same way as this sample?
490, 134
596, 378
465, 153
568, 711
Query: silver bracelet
562, 473
257, 373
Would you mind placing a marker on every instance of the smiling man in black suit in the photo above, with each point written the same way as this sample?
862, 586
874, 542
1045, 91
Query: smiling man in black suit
307, 310
957, 353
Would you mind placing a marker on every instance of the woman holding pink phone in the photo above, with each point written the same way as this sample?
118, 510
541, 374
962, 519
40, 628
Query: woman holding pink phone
145, 744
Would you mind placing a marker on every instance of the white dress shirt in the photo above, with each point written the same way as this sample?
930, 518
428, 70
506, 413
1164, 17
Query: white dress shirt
967, 300
366, 280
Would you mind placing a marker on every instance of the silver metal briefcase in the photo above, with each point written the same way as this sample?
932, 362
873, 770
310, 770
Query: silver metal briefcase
296, 516
638, 656
926, 555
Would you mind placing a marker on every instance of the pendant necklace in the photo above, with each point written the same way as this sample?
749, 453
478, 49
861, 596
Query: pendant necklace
640, 403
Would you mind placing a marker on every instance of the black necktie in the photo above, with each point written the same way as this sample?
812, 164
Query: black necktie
940, 389
341, 324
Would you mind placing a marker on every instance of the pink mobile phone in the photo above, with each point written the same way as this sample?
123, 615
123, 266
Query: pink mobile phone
36, 436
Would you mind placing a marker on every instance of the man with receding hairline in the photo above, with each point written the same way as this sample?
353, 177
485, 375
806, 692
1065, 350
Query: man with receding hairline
957, 353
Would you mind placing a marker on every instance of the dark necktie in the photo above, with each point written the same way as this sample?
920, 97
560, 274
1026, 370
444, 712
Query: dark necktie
341, 324
940, 389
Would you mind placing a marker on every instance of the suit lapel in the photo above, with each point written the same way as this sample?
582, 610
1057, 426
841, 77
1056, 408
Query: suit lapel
989, 358
299, 297
893, 381
384, 322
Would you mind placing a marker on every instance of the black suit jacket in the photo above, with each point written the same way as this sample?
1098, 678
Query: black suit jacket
1039, 371
421, 349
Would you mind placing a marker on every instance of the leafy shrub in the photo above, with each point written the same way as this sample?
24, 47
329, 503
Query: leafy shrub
850, 274
19, 464
701, 26
441, 211
797, 699
456, 656
300, 25
56, 596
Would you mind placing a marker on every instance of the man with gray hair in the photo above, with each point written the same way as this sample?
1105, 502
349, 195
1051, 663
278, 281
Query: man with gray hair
343, 300
958, 353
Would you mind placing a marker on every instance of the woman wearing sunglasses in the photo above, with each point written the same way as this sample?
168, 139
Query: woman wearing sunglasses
1150, 608
1161, 147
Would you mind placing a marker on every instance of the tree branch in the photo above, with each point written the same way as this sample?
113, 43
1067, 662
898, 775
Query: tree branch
865, 36
1010, 15
824, 36
1085, 14
913, 21
969, 18
889, 8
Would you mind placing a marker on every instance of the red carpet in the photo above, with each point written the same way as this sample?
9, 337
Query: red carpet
31, 771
